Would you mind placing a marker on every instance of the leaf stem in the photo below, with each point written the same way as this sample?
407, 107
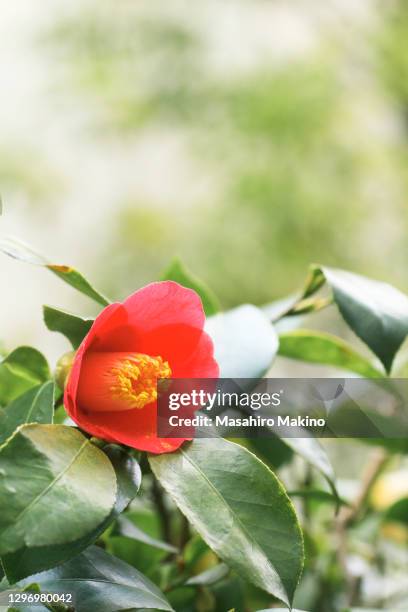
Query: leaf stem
349, 515
158, 497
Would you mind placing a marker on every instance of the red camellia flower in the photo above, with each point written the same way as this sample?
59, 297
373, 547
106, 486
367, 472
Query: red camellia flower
112, 389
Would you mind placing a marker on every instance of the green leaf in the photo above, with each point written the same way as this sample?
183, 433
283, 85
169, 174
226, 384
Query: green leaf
128, 476
282, 610
393, 445
145, 558
229, 594
18, 250
71, 326
247, 518
126, 528
319, 496
294, 305
29, 608
55, 486
27, 362
375, 311
194, 550
20, 370
398, 512
314, 281
210, 576
35, 406
28, 561
245, 342
311, 450
101, 582
319, 347
279, 308
178, 272
6, 592
271, 450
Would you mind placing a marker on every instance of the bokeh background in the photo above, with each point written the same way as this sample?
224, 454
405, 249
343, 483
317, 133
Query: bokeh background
249, 138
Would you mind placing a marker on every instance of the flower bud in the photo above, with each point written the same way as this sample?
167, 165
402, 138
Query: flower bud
63, 369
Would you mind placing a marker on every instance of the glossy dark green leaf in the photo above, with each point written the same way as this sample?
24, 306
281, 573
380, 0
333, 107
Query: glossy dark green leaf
319, 347
18, 250
210, 576
375, 311
126, 528
28, 561
34, 406
128, 476
71, 326
245, 342
247, 518
101, 582
178, 272
55, 487
20, 370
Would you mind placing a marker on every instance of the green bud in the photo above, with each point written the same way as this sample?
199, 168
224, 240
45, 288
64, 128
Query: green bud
63, 369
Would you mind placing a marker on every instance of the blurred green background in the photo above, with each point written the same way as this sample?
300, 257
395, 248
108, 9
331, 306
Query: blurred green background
250, 138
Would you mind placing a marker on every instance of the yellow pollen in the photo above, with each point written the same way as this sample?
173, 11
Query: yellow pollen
134, 379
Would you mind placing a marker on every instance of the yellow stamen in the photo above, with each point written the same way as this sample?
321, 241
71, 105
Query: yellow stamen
135, 379
119, 381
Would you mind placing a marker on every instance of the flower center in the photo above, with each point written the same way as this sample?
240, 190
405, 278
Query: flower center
120, 381
135, 379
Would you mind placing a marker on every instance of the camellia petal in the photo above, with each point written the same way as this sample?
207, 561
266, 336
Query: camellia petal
157, 332
162, 304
